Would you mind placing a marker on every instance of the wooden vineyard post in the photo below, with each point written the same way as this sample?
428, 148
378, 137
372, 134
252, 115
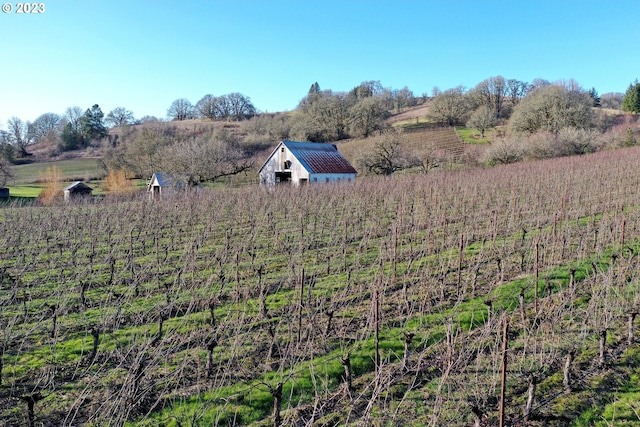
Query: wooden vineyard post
95, 333
504, 369
211, 345
531, 395
327, 329
566, 382
460, 256
536, 267
408, 339
395, 251
602, 359
377, 333
630, 319
212, 316
300, 306
523, 312
237, 276
277, 404
346, 362
31, 401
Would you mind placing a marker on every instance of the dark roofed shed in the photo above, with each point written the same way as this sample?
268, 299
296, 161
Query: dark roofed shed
77, 189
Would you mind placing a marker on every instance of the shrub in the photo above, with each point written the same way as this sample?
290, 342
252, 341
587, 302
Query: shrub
545, 144
117, 182
504, 152
541, 145
616, 137
573, 141
51, 190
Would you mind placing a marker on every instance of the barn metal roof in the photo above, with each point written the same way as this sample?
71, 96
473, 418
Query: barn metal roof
319, 157
78, 185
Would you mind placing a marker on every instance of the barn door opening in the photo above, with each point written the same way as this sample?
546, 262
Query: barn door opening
283, 177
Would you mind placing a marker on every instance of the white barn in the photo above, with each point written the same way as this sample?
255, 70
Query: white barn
299, 163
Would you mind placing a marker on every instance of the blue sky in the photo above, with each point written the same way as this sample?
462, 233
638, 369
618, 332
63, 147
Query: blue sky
142, 55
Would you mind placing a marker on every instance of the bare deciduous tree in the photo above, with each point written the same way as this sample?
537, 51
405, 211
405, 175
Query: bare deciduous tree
180, 109
73, 116
233, 106
19, 135
6, 172
367, 117
482, 119
450, 107
611, 100
119, 117
206, 158
388, 155
492, 93
516, 90
44, 125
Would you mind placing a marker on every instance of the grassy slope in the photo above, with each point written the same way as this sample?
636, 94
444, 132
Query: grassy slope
26, 182
72, 170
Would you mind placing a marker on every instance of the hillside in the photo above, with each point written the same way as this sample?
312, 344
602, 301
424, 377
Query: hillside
426, 144
439, 142
82, 164
46, 151
376, 303
417, 113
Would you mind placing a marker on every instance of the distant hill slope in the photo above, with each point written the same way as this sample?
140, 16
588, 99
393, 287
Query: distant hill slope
441, 138
442, 142
410, 114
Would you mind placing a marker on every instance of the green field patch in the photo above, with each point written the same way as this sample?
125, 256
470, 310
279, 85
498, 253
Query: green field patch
82, 169
473, 136
24, 191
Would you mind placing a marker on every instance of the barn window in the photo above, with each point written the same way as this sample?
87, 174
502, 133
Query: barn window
287, 164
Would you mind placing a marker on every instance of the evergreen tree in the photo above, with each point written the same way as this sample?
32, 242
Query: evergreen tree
71, 138
315, 88
92, 124
631, 100
594, 95
630, 140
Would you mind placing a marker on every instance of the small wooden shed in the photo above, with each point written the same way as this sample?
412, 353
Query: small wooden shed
4, 193
161, 183
77, 189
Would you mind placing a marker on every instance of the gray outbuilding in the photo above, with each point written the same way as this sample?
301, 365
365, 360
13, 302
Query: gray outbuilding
77, 189
163, 184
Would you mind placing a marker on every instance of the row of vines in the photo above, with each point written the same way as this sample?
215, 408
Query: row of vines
379, 302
